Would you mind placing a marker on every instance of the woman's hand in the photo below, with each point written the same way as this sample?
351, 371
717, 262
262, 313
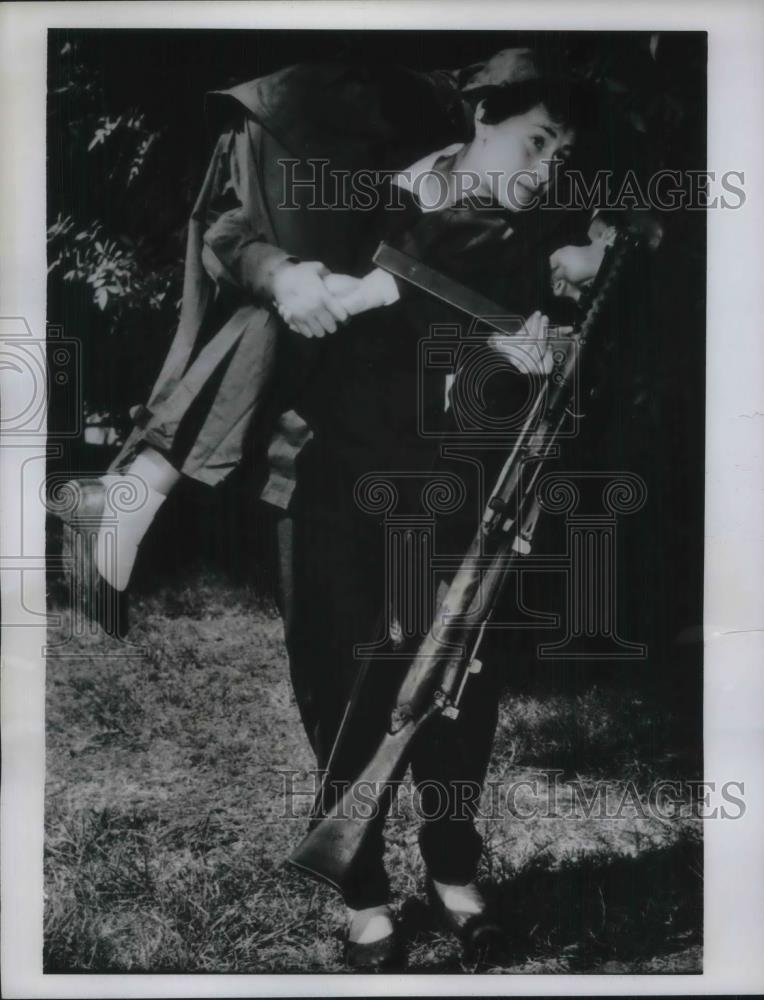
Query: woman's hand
529, 350
358, 295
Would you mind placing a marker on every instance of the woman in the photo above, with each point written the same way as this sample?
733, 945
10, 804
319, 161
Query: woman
366, 404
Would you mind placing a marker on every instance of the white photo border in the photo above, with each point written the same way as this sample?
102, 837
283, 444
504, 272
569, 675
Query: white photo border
734, 553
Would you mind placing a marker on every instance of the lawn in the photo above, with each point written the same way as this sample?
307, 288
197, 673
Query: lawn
169, 771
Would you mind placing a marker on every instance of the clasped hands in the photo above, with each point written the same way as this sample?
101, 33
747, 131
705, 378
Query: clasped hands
313, 301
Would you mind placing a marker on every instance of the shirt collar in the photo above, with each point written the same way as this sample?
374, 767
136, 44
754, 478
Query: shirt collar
421, 179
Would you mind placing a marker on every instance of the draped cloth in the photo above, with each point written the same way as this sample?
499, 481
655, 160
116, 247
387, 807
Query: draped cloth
279, 135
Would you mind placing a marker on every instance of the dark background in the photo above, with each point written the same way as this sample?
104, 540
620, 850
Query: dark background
163, 76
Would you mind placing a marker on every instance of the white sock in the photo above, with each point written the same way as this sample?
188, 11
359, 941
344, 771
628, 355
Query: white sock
369, 925
121, 533
463, 898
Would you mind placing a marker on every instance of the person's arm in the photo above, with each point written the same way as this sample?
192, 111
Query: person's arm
236, 249
376, 289
233, 252
379, 288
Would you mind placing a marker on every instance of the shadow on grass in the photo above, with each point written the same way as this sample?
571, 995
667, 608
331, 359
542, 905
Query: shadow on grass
580, 917
599, 731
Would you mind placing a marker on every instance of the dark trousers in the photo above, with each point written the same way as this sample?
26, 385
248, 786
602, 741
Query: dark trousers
332, 569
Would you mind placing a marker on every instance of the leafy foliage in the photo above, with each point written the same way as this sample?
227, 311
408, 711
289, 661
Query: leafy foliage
113, 278
113, 269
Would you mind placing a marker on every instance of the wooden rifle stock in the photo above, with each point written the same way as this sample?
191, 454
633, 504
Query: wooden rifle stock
337, 838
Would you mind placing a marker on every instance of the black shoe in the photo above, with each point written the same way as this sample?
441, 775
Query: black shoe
80, 505
478, 932
383, 955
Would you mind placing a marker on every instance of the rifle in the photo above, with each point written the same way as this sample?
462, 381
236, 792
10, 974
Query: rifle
438, 673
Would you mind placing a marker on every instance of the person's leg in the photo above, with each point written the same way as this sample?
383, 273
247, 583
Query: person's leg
151, 474
329, 605
244, 405
198, 431
449, 767
116, 550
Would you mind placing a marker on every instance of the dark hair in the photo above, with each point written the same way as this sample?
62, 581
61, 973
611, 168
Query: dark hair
568, 102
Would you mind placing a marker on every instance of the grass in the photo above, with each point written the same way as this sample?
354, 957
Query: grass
165, 846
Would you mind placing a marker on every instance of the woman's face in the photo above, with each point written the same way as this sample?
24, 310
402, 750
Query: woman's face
516, 158
574, 268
